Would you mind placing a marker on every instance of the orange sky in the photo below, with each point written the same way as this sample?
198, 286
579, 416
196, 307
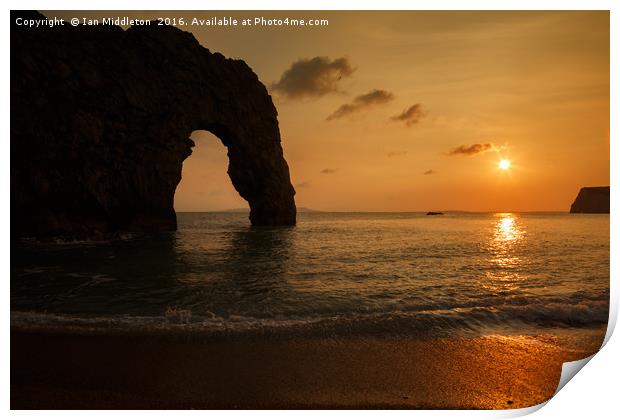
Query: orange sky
531, 87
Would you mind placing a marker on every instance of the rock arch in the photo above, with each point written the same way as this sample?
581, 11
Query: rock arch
100, 126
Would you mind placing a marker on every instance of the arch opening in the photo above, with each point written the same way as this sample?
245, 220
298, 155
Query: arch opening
205, 184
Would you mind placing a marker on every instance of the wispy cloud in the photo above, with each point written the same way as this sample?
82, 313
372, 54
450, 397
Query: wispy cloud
470, 150
374, 97
329, 170
303, 184
411, 115
397, 153
430, 172
313, 77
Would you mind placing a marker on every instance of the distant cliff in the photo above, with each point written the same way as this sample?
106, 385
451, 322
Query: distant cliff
591, 200
100, 125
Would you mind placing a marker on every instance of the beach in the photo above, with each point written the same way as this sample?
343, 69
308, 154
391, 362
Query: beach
94, 370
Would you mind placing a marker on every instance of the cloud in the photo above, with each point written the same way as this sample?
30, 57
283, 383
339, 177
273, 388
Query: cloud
303, 184
397, 153
411, 115
329, 170
430, 172
472, 149
374, 97
313, 77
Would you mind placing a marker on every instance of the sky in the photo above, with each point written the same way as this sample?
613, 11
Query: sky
413, 111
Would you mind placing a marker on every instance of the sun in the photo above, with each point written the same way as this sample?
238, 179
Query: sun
504, 164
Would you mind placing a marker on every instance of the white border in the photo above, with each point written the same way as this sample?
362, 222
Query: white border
592, 394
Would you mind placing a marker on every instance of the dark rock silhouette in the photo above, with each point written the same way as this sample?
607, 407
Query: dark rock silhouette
434, 213
591, 200
100, 126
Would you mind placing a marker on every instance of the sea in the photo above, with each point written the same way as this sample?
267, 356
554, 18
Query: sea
333, 274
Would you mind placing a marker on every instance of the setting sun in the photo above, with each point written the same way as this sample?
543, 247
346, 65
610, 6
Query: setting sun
504, 164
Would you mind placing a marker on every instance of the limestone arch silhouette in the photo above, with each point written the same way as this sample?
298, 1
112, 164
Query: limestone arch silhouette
100, 126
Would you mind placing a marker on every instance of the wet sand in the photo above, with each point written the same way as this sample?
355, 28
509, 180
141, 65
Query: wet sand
53, 370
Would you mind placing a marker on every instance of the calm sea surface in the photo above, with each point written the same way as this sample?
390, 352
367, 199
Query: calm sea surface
334, 273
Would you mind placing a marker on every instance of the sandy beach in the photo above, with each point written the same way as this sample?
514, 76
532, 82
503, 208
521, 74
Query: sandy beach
87, 370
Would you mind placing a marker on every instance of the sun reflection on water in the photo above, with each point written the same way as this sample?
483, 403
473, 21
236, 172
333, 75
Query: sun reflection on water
505, 274
507, 229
